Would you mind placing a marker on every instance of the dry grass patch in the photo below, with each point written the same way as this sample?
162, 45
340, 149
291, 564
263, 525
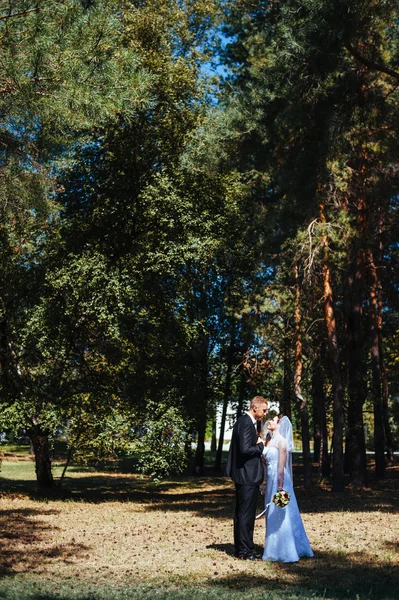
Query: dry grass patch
121, 529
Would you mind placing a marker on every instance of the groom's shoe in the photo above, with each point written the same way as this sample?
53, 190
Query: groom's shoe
248, 557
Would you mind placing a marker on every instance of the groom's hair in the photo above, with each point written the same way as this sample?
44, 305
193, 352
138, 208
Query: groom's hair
257, 401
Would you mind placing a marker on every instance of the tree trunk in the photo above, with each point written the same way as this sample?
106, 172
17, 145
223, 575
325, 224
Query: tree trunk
202, 405
200, 450
337, 389
6, 379
385, 405
213, 440
383, 371
301, 401
247, 336
317, 397
357, 383
285, 404
335, 365
241, 394
226, 396
41, 448
321, 454
379, 441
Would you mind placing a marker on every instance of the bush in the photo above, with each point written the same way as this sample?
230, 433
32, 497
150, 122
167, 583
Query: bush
161, 446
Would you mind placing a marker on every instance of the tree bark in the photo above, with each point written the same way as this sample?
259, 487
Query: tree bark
300, 400
200, 450
316, 401
379, 437
335, 365
285, 404
357, 384
385, 405
41, 448
202, 406
226, 396
213, 440
384, 374
320, 437
241, 394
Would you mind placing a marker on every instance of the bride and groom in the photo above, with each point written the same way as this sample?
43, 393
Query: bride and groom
286, 540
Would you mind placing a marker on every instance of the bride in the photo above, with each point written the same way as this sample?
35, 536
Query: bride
286, 540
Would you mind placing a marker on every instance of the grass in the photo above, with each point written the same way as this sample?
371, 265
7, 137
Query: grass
116, 536
20, 449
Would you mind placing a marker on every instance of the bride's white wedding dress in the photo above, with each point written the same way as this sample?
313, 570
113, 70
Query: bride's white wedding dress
286, 539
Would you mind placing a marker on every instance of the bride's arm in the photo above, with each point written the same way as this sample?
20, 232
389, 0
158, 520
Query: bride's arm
282, 457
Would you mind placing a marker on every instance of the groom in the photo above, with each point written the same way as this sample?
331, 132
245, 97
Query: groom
245, 468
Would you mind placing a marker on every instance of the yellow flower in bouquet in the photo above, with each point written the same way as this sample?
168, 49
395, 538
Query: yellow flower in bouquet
281, 499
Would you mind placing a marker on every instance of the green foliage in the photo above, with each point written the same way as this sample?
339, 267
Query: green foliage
92, 436
162, 439
65, 71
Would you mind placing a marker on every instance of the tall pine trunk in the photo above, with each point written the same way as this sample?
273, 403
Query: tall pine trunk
357, 383
300, 400
320, 436
383, 370
317, 399
385, 403
285, 403
335, 365
379, 434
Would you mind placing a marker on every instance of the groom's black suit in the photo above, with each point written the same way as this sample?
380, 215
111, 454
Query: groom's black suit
246, 470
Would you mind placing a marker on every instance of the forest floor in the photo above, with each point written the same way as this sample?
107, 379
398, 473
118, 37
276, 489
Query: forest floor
115, 536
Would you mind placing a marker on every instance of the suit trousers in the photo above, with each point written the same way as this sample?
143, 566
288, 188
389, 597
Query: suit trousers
244, 518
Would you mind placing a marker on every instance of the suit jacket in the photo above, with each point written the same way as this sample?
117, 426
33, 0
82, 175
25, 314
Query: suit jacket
243, 462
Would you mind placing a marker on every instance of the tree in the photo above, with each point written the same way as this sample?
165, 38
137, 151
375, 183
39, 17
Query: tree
317, 104
60, 66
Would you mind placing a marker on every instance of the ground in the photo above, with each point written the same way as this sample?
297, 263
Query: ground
116, 536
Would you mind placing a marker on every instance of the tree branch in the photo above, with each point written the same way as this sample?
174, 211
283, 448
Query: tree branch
18, 14
369, 63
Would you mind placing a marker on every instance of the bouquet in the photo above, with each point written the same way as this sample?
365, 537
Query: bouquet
281, 499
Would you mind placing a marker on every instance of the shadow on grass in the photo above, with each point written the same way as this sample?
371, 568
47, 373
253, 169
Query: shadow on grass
187, 494
193, 494
23, 537
225, 548
332, 575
